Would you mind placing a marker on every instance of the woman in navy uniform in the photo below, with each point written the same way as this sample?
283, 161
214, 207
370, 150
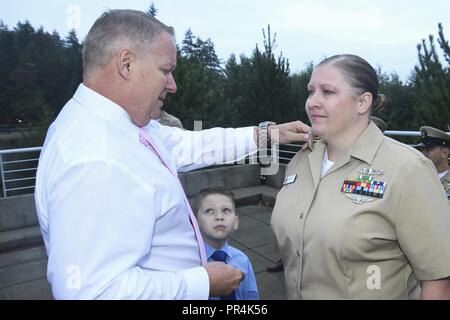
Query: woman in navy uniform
361, 216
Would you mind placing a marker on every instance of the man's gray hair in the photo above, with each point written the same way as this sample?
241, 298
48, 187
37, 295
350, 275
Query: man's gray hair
116, 28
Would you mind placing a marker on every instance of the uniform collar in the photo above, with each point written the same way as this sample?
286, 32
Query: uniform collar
106, 109
364, 148
445, 175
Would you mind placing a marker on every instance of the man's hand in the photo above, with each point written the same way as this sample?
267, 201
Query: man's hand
436, 289
290, 132
223, 278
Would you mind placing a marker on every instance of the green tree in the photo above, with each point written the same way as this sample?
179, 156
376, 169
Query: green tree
234, 93
432, 83
264, 83
203, 52
38, 74
73, 68
299, 93
200, 84
398, 111
152, 10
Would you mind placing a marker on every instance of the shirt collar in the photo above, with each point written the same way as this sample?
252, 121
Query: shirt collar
443, 174
364, 148
210, 250
367, 144
106, 109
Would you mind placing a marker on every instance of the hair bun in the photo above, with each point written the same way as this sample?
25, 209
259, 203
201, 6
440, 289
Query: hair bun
379, 101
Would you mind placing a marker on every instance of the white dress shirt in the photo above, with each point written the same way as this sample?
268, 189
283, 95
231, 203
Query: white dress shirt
113, 218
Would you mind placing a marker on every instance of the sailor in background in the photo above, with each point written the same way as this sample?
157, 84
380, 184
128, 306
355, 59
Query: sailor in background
435, 146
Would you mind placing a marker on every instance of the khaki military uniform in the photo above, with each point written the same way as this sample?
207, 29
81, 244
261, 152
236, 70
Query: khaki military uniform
432, 138
379, 122
337, 245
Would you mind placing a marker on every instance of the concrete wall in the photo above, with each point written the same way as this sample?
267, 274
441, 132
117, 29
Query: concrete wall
276, 181
20, 212
231, 177
17, 212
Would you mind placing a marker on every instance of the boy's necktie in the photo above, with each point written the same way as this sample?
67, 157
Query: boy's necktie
221, 256
147, 141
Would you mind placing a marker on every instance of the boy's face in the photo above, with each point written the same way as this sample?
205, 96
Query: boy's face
217, 218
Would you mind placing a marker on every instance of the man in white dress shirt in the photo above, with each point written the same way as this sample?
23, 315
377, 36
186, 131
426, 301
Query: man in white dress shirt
113, 214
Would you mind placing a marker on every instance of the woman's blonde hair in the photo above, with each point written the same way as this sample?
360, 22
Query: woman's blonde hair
360, 75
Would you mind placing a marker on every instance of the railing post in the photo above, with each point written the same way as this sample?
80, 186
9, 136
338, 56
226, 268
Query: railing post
3, 176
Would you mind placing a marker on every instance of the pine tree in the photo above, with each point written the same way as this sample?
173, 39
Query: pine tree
189, 46
202, 51
152, 10
263, 93
299, 93
38, 75
398, 110
200, 84
432, 83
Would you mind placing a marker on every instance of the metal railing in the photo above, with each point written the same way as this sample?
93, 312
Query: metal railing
18, 170
287, 151
18, 166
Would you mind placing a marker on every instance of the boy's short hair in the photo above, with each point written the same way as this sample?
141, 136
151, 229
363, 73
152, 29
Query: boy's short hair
209, 191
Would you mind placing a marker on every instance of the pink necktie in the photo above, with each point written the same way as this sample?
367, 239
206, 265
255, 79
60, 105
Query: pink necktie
146, 140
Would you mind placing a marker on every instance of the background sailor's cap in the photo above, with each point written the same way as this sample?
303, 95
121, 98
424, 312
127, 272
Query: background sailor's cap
380, 123
432, 137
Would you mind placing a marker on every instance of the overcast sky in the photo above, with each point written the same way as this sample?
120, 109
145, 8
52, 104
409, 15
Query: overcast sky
384, 32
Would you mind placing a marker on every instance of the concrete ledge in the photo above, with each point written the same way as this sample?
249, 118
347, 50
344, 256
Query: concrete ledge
231, 177
251, 195
20, 238
19, 224
22, 256
33, 290
276, 180
17, 212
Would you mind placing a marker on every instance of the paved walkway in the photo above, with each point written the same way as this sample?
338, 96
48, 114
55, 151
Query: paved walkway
254, 237
23, 272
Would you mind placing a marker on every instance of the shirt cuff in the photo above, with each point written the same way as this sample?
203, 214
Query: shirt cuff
197, 283
249, 134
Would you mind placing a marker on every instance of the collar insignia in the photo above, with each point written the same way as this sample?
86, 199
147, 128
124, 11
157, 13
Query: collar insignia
371, 171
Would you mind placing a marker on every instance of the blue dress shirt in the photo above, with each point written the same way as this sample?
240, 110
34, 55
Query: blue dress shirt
247, 289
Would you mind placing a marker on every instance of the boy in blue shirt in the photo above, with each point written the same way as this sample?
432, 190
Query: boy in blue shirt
217, 220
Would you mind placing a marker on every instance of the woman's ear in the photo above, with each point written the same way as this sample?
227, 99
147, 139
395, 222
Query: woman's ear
365, 102
125, 59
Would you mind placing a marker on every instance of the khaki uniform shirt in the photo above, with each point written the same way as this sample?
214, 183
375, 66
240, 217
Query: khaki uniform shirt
335, 248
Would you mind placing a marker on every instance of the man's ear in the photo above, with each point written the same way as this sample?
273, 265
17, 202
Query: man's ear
365, 101
125, 60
